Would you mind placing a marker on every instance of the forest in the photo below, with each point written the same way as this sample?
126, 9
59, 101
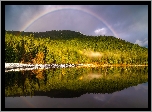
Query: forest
67, 46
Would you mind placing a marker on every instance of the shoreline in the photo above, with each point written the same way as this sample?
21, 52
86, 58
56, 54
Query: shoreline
93, 65
21, 66
9, 65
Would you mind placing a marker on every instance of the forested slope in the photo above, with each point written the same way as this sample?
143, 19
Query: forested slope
71, 47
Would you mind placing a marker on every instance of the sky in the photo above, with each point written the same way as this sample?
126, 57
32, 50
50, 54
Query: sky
128, 22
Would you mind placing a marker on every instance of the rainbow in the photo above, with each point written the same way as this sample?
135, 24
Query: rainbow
27, 102
53, 9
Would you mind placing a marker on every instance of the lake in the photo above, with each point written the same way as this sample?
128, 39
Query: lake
100, 87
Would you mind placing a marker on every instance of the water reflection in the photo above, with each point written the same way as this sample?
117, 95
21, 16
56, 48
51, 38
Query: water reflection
127, 98
141, 86
73, 82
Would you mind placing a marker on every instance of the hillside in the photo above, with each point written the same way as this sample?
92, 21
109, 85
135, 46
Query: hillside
71, 47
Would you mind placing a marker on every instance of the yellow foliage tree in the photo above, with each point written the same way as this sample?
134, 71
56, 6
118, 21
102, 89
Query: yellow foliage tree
38, 73
39, 59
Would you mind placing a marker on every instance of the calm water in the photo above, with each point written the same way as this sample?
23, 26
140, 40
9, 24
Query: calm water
119, 87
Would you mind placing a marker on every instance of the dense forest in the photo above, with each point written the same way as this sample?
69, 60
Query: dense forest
73, 82
67, 46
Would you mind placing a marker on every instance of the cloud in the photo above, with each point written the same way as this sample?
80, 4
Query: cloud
142, 43
101, 31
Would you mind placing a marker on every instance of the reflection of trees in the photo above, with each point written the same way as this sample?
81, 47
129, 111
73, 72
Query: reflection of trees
45, 77
122, 71
105, 72
38, 73
22, 81
58, 81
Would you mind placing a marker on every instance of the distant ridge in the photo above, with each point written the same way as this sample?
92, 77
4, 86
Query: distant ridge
52, 34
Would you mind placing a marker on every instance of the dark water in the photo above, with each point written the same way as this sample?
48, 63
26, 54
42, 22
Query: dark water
119, 87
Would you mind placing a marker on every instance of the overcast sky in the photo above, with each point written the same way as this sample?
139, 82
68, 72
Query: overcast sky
128, 22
